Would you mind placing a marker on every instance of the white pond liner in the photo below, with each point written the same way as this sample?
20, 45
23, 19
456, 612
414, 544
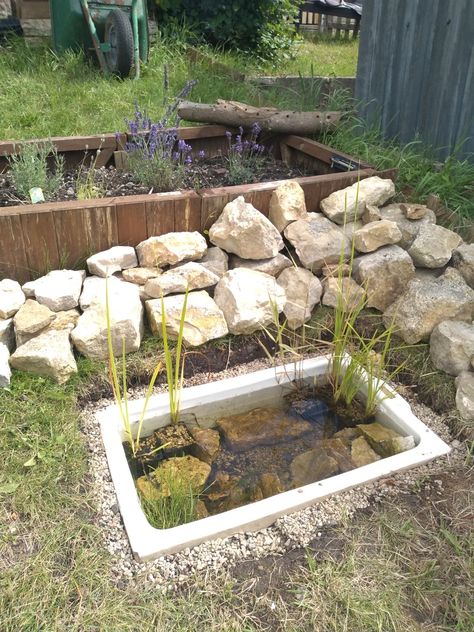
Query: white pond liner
206, 403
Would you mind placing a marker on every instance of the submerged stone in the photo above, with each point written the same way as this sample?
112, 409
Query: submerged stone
386, 441
206, 443
362, 453
336, 449
261, 426
312, 466
185, 470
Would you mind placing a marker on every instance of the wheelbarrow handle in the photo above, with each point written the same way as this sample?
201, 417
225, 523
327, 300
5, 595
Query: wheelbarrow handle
94, 36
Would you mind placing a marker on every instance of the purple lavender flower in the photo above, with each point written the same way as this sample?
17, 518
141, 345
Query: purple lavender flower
188, 160
201, 154
228, 134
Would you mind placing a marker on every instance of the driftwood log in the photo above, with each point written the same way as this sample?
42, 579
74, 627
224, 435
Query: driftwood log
235, 114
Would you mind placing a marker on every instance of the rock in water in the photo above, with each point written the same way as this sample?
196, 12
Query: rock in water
203, 321
244, 231
207, 443
248, 300
362, 453
350, 203
385, 441
260, 426
312, 466
287, 204
170, 249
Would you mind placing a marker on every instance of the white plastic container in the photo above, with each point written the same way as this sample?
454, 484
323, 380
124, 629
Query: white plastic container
208, 402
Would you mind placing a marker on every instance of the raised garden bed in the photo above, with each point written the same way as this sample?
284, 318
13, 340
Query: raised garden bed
37, 238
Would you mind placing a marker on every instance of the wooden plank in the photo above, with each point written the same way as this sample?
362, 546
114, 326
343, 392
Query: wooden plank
159, 216
34, 9
187, 213
212, 205
71, 228
131, 222
320, 151
40, 241
102, 232
64, 143
104, 157
13, 261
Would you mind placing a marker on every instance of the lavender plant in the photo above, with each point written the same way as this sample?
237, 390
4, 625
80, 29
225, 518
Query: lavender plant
244, 156
156, 157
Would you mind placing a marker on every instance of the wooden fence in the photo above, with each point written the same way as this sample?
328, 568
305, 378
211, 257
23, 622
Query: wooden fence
313, 20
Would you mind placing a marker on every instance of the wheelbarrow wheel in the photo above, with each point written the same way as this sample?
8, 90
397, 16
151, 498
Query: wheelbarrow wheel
119, 36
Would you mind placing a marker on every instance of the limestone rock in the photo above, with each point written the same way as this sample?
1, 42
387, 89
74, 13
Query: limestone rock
95, 290
190, 275
362, 453
452, 346
463, 260
371, 214
203, 321
244, 231
32, 317
415, 211
347, 435
384, 274
29, 289
350, 203
350, 228
260, 426
425, 304
49, 354
247, 299
215, 260
60, 289
409, 228
433, 246
336, 270
126, 323
336, 449
318, 242
375, 235
287, 204
465, 395
65, 320
5, 371
140, 276
11, 298
170, 249
302, 290
207, 443
7, 333
114, 259
385, 441
345, 291
312, 466
272, 266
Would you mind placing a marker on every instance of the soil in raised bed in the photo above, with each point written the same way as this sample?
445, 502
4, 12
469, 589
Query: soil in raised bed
111, 182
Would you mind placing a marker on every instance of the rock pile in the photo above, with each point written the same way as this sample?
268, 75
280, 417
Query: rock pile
420, 275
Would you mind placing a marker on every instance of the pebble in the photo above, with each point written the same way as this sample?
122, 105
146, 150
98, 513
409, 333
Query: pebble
289, 532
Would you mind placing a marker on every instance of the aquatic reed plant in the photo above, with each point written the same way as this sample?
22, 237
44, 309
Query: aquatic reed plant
177, 507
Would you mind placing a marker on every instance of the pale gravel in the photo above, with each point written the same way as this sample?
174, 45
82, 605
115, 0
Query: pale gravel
288, 532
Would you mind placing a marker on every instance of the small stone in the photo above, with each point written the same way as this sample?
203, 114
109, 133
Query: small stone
11, 298
7, 334
191, 276
215, 260
452, 346
362, 453
409, 228
5, 371
140, 276
170, 249
465, 395
29, 289
244, 231
385, 441
463, 260
415, 211
114, 259
287, 204
336, 270
32, 317
207, 443
375, 235
314, 465
270, 484
302, 290
433, 246
344, 292
272, 266
336, 449
371, 214
347, 435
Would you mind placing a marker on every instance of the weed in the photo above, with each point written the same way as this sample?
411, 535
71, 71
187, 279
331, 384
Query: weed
29, 169
87, 187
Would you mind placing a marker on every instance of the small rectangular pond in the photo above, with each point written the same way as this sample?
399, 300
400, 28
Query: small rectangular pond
205, 405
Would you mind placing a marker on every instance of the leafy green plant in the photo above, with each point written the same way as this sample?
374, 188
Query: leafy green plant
174, 361
179, 507
29, 168
120, 389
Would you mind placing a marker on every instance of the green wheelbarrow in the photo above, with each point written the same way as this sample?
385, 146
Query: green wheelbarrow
117, 30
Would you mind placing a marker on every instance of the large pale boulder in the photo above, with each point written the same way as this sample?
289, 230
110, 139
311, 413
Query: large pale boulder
272, 266
11, 298
287, 204
190, 275
60, 289
95, 290
5, 371
7, 333
384, 274
30, 319
140, 276
216, 260
463, 260
171, 248
343, 292
244, 231
350, 203
318, 242
427, 303
49, 354
126, 323
433, 246
465, 395
350, 228
452, 346
302, 290
376, 234
248, 299
203, 320
114, 259
408, 227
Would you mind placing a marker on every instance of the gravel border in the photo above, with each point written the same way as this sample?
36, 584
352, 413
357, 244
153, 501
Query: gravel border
288, 532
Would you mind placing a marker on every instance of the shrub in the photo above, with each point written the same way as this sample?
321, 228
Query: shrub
264, 27
29, 169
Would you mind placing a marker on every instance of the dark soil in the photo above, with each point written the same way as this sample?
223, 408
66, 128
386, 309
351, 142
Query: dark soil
110, 182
